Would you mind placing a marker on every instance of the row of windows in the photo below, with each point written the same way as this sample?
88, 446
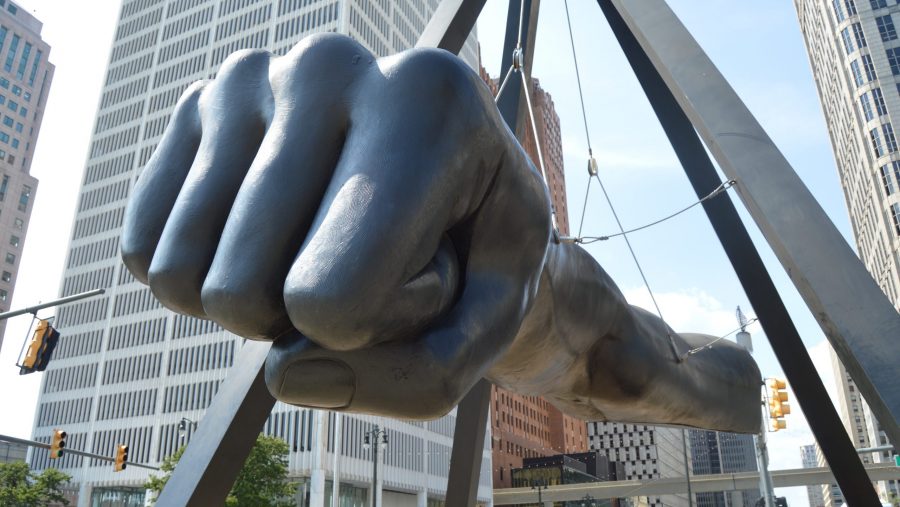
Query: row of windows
79, 376
164, 100
113, 142
181, 70
132, 7
886, 28
186, 326
895, 217
137, 439
23, 60
125, 49
183, 46
129, 68
883, 145
851, 34
186, 397
288, 6
137, 301
126, 91
94, 252
126, 404
108, 168
121, 116
243, 22
253, 40
75, 314
880, 108
136, 334
108, 194
296, 27
61, 412
887, 181
73, 345
90, 280
208, 356
155, 127
138, 24
443, 426
187, 23
125, 276
131, 368
179, 6
370, 37
101, 222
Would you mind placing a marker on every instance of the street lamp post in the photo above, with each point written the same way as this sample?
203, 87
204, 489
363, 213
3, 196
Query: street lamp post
377, 438
183, 426
539, 486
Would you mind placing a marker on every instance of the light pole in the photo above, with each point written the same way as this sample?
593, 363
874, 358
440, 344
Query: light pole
539, 486
376, 438
183, 426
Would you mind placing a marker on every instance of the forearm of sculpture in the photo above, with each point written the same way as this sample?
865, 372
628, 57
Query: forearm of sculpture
596, 357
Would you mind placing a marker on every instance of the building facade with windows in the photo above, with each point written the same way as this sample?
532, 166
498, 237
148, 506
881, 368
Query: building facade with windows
648, 452
25, 77
718, 452
854, 53
808, 458
127, 370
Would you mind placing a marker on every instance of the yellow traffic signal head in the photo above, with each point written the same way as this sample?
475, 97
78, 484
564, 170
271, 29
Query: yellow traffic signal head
121, 457
778, 424
57, 443
776, 383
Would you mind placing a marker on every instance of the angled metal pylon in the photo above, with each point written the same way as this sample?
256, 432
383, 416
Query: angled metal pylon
691, 98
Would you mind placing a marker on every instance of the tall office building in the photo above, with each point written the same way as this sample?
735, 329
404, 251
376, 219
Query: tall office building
717, 452
854, 52
808, 458
129, 371
648, 452
25, 80
831, 493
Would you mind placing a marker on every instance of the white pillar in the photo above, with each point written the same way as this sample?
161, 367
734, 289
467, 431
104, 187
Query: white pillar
422, 497
317, 472
335, 469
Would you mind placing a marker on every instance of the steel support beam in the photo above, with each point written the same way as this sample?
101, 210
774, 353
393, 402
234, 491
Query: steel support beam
450, 25
225, 435
651, 69
857, 318
512, 104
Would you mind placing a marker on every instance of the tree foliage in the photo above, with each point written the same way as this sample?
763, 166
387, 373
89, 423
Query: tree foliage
20, 487
262, 482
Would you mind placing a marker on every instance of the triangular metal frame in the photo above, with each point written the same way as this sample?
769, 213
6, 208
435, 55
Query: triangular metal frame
692, 101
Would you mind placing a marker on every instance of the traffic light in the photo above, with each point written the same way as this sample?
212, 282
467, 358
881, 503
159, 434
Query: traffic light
778, 406
58, 444
43, 342
121, 457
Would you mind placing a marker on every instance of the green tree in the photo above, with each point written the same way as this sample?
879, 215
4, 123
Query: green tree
262, 482
20, 487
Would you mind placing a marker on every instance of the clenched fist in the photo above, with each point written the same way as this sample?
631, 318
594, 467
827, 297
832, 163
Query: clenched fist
379, 222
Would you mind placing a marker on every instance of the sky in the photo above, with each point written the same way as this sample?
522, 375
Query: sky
756, 45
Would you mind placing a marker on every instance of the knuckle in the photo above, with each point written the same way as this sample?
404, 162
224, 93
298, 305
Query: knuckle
242, 308
175, 286
238, 64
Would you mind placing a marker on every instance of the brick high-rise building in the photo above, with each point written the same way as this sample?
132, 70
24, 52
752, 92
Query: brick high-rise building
25, 76
529, 426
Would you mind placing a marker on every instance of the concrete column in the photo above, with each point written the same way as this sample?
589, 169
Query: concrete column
422, 498
317, 473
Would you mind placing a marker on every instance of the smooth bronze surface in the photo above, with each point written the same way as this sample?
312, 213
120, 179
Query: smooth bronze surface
380, 223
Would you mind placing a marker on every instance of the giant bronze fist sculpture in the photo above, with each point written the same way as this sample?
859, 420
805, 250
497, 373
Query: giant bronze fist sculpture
377, 220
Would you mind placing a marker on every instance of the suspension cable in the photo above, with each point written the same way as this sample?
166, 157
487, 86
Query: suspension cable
587, 134
586, 240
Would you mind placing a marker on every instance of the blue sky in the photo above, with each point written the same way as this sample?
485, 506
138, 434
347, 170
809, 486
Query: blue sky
756, 45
